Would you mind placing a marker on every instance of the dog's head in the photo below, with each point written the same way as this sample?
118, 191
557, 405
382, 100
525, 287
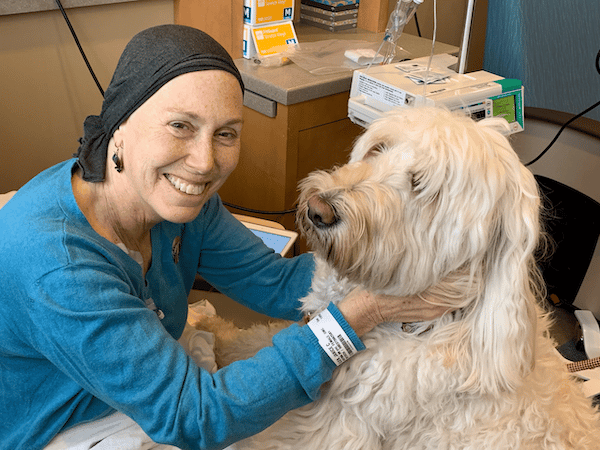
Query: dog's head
435, 203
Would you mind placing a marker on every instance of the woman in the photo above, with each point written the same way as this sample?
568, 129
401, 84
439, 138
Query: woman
98, 255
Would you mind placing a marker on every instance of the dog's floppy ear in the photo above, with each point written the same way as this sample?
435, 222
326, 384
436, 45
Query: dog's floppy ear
502, 322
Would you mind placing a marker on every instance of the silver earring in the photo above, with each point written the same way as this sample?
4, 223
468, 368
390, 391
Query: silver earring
117, 160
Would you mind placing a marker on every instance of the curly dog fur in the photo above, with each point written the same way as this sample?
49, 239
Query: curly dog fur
431, 203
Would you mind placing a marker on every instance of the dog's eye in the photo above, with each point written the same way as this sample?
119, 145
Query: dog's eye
374, 151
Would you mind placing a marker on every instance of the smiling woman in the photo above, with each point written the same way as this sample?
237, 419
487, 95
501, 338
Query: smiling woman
176, 151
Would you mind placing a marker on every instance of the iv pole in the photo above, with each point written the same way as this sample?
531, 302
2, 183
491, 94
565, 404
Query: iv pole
464, 45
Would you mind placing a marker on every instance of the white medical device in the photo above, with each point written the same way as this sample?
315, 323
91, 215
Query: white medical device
431, 81
381, 88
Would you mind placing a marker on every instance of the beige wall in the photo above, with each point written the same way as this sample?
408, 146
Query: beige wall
46, 90
450, 25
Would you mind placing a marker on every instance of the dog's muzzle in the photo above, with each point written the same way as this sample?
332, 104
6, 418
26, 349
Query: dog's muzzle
321, 213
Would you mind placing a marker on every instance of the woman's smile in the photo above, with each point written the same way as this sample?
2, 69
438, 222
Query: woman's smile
185, 186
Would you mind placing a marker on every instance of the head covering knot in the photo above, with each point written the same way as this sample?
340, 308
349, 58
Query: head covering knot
151, 59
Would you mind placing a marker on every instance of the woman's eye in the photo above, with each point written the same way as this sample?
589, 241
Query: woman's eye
179, 125
228, 134
181, 129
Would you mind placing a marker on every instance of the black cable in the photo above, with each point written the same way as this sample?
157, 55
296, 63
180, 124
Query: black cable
258, 211
417, 24
62, 10
595, 105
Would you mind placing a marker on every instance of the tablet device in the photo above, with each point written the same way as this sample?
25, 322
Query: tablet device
277, 239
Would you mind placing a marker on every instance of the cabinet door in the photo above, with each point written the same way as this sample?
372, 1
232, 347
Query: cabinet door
325, 146
222, 19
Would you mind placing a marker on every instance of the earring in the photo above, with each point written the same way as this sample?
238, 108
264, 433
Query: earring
117, 160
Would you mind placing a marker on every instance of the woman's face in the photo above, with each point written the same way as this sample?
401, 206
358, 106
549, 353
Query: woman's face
180, 146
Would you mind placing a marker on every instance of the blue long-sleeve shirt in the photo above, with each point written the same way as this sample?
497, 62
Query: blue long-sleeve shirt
78, 340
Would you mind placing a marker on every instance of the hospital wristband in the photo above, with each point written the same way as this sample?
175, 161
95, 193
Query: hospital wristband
332, 337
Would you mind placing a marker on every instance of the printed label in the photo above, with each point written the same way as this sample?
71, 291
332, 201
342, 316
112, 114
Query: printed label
266, 11
380, 91
274, 39
332, 337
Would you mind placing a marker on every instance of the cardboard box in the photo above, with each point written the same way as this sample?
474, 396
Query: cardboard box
268, 40
260, 12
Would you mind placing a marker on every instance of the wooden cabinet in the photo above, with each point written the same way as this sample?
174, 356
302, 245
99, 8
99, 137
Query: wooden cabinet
222, 19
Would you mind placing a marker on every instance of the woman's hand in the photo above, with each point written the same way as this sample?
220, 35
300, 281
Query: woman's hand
363, 310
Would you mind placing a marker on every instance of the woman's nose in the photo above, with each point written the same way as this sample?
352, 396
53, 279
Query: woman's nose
202, 157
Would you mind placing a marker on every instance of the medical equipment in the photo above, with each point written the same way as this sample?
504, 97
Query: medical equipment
435, 80
400, 16
464, 43
379, 89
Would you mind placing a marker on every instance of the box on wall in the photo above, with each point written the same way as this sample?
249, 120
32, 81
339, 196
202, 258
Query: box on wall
268, 40
260, 12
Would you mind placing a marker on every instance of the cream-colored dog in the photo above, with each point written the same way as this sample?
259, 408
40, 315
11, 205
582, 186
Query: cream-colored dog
431, 203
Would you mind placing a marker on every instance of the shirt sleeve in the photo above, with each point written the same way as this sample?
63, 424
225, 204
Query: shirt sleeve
241, 266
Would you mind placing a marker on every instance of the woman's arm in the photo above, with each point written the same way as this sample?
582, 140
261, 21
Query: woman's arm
241, 266
108, 347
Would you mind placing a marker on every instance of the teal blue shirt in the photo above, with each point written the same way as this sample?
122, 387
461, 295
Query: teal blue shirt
78, 340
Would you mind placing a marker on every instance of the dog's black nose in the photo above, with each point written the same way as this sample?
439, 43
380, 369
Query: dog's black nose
320, 213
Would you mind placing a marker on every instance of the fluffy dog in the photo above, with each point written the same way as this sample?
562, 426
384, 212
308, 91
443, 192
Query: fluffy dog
434, 204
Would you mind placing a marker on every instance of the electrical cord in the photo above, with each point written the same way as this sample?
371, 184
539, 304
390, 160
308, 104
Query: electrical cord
258, 211
417, 25
566, 124
87, 63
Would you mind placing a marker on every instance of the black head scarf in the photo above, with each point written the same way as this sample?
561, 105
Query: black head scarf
151, 59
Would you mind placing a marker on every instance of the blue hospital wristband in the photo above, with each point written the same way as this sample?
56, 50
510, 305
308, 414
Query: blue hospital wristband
335, 336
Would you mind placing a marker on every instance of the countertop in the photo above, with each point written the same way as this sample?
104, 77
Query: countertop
290, 84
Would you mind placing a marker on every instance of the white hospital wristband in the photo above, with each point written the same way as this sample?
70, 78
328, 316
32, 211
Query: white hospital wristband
331, 337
